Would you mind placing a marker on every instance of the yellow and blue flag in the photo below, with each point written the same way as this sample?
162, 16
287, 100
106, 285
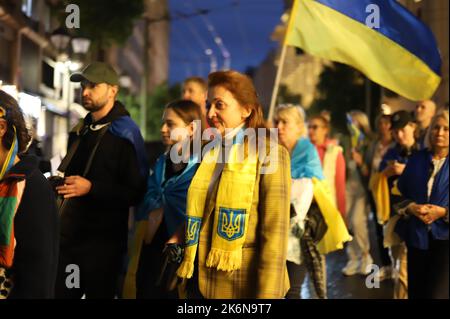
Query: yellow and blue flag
357, 136
380, 38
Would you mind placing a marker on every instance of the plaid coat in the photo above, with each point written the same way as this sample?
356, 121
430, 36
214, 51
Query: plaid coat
263, 273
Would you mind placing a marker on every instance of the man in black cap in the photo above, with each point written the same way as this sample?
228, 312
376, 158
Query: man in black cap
105, 173
403, 129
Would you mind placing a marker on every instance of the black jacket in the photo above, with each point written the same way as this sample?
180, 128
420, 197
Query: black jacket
36, 232
117, 184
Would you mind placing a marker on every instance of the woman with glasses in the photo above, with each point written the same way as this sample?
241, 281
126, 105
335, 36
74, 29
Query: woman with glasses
317, 227
331, 157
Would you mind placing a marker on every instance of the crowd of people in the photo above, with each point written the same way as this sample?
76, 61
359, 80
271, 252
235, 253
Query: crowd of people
206, 222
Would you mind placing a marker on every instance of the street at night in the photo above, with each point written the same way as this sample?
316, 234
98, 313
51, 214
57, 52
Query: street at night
234, 150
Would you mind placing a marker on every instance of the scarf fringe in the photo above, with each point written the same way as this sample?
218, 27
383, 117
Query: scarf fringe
186, 269
224, 260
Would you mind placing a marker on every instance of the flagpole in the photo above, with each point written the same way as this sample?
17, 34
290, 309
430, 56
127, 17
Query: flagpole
276, 85
277, 81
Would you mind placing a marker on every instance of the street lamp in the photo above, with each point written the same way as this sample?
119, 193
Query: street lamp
125, 81
80, 45
60, 39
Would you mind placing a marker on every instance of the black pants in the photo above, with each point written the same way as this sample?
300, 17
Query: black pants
99, 264
297, 275
428, 271
384, 252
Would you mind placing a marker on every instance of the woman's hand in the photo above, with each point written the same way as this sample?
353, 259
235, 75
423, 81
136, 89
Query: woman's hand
427, 213
420, 211
394, 168
434, 213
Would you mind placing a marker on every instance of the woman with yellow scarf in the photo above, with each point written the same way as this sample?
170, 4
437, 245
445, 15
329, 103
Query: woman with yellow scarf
237, 206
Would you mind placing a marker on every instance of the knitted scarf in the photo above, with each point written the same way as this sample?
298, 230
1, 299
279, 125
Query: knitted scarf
11, 190
231, 211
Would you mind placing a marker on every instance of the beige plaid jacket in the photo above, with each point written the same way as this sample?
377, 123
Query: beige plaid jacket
263, 273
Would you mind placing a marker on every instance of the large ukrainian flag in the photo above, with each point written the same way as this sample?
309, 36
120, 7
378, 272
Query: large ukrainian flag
400, 53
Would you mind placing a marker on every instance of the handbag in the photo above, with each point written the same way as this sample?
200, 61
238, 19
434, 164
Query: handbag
172, 258
6, 283
316, 223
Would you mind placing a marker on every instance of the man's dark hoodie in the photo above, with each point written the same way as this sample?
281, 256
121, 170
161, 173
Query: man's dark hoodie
117, 184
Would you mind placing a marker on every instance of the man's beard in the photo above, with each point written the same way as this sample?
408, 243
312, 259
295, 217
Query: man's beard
92, 106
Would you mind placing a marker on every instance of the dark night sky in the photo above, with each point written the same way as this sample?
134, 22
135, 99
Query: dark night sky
243, 25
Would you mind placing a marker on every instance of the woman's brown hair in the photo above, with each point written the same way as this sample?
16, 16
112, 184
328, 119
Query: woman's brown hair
321, 118
243, 91
14, 118
188, 111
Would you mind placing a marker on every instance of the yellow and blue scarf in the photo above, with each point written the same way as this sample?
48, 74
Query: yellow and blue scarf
232, 207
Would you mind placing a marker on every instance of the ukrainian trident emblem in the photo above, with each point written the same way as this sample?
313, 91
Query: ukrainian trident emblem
193, 230
231, 224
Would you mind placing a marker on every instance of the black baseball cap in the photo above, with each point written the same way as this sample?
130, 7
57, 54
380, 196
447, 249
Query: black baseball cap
400, 119
97, 72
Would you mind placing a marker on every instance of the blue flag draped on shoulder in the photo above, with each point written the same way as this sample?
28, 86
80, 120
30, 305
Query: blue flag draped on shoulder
380, 38
124, 127
305, 163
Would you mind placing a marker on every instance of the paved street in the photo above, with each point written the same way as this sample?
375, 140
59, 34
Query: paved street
342, 287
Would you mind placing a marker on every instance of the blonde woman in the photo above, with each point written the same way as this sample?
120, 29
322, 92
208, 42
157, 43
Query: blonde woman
424, 225
316, 225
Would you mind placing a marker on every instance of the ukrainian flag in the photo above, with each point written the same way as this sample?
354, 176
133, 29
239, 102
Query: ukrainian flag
380, 38
357, 136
